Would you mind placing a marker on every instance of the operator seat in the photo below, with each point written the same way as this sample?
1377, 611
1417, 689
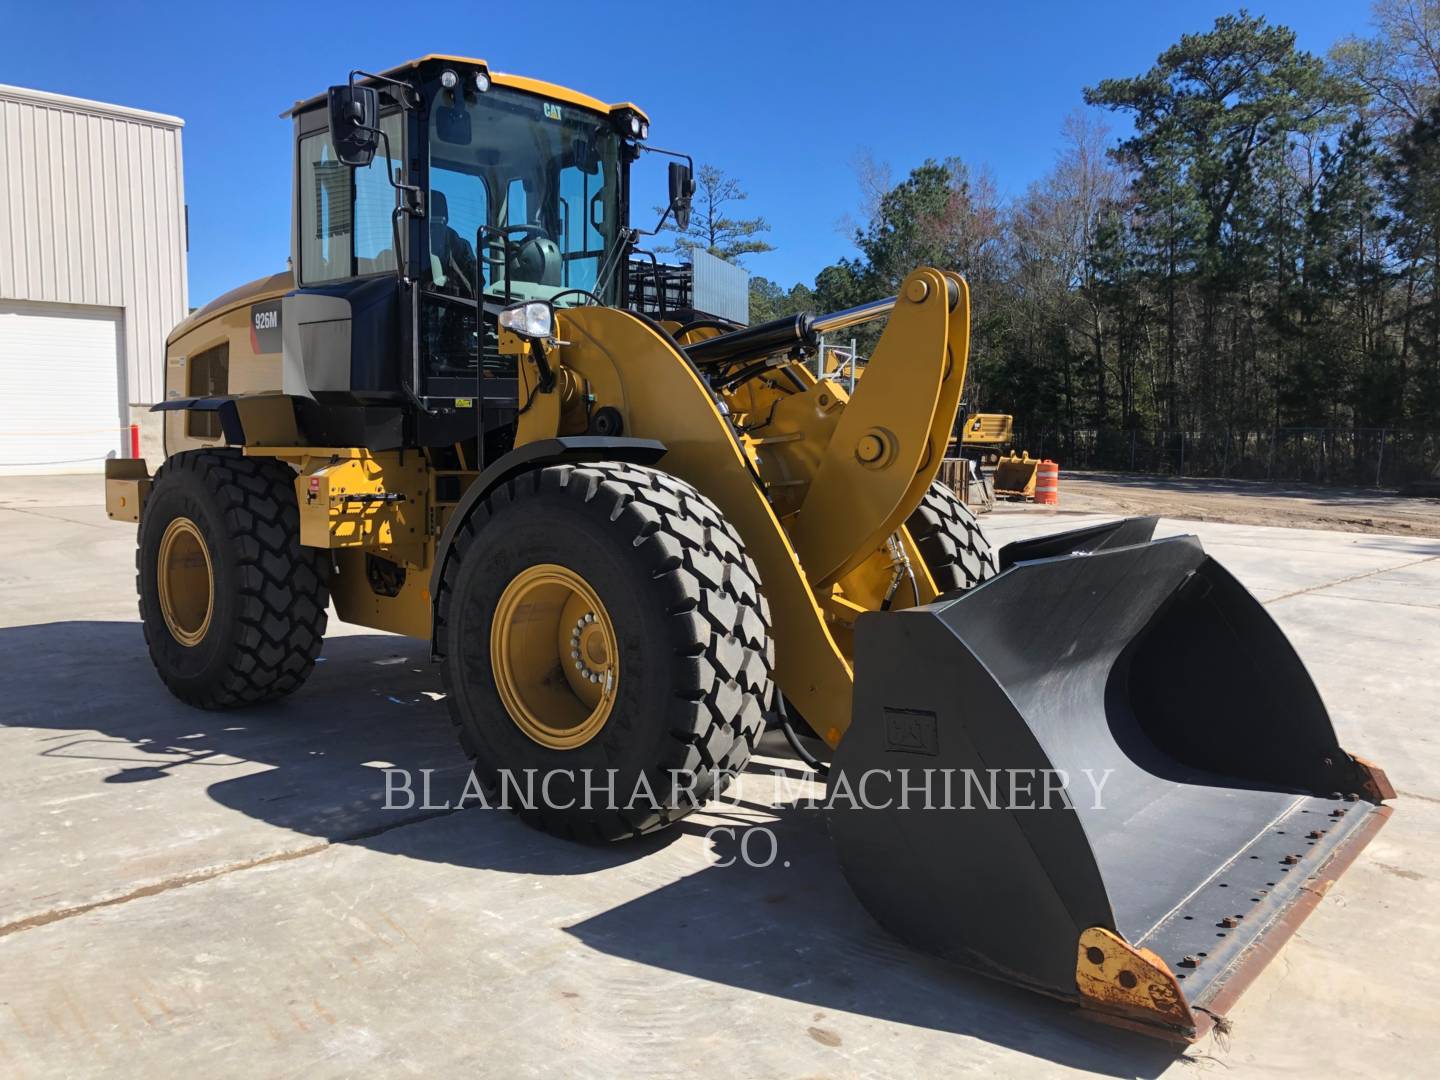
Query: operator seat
538, 260
452, 259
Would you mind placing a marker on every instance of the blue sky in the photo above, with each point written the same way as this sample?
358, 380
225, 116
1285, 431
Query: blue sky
782, 96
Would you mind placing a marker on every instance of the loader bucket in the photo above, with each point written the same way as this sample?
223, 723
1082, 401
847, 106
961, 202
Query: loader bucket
1015, 476
1103, 774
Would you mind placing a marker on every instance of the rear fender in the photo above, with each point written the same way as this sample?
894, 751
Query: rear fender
260, 419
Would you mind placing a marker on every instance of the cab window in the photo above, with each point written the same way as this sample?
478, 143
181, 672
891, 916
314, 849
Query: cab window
550, 178
345, 222
456, 215
582, 219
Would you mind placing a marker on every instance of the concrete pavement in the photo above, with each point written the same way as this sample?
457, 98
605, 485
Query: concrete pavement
225, 893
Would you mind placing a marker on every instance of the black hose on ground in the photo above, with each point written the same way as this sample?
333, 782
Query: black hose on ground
793, 738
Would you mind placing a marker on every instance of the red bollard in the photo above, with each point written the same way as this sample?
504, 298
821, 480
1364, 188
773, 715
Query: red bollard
134, 440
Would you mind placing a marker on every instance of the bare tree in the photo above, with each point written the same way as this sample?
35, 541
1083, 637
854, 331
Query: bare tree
1400, 68
874, 178
1053, 229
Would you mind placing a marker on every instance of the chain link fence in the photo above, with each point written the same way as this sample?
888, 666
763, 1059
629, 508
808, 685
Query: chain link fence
1361, 457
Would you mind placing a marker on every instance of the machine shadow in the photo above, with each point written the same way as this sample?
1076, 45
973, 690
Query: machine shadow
794, 930
374, 702
791, 929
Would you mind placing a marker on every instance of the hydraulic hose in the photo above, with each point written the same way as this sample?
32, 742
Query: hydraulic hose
793, 738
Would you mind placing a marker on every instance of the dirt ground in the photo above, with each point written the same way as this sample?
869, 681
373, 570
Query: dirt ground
1251, 502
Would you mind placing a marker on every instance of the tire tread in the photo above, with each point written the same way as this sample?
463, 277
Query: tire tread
951, 542
284, 590
724, 680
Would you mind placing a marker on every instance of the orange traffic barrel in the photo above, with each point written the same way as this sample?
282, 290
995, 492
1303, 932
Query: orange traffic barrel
1047, 483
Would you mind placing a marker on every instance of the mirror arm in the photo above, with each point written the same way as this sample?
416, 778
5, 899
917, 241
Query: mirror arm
689, 164
623, 243
689, 161
408, 98
402, 206
658, 225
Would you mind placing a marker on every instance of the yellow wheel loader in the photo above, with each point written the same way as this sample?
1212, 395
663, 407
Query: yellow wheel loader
1088, 763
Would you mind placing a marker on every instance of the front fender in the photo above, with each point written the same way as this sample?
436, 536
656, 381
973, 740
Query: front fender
535, 455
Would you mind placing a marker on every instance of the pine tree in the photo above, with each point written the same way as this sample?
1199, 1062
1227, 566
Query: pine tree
711, 227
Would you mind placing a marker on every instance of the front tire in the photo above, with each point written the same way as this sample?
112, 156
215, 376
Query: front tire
603, 631
232, 605
954, 547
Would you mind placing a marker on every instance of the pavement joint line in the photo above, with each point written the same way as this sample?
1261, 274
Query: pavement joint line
1417, 795
1373, 600
197, 877
55, 517
1348, 580
1264, 543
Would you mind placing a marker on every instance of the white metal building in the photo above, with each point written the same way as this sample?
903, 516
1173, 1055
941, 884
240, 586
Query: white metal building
92, 276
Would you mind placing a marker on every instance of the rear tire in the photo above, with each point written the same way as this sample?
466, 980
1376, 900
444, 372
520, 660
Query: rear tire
680, 603
232, 605
951, 541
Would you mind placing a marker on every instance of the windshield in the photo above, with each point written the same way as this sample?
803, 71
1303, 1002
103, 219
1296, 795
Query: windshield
545, 171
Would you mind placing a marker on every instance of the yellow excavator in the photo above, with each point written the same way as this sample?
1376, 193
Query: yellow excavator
635, 534
983, 436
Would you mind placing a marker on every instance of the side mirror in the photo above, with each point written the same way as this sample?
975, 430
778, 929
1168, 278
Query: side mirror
354, 123
682, 187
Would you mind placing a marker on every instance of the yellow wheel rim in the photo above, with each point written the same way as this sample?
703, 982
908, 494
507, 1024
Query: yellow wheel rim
555, 657
186, 582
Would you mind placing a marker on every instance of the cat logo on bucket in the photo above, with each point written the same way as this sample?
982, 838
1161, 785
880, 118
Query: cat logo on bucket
911, 731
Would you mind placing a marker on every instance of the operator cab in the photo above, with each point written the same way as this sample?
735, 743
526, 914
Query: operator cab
427, 199
523, 195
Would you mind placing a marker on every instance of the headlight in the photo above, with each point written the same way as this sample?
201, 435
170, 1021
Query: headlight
644, 130
530, 319
449, 80
635, 126
482, 81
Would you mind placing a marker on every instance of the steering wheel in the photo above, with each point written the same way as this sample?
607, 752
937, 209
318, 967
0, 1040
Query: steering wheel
523, 234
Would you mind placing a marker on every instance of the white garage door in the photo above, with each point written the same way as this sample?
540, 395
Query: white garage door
60, 405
